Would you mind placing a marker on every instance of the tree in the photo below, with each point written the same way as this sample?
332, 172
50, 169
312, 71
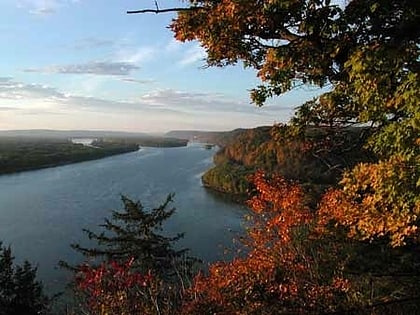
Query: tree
138, 270
366, 52
20, 292
133, 234
291, 268
114, 288
286, 270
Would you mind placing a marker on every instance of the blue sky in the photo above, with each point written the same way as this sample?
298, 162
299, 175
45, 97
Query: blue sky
86, 64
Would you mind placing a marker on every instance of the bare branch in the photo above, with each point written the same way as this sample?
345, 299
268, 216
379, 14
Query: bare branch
157, 10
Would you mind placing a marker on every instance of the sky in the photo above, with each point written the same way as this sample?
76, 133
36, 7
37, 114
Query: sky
86, 64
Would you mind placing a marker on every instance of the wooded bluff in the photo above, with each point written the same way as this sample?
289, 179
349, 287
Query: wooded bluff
315, 159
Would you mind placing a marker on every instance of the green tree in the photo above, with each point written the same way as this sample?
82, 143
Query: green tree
20, 292
135, 233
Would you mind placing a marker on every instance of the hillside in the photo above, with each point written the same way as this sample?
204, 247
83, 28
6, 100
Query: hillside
315, 158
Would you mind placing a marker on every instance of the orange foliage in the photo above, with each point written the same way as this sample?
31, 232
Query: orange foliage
282, 271
377, 200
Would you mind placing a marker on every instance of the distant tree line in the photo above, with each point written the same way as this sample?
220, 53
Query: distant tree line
22, 154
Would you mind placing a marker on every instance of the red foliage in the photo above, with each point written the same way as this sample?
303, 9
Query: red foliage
112, 287
284, 270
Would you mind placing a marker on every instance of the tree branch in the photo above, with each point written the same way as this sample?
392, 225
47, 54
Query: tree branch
157, 11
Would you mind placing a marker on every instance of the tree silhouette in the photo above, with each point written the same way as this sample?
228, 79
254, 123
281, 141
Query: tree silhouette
20, 292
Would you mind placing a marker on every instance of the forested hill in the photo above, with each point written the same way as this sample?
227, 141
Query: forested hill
316, 158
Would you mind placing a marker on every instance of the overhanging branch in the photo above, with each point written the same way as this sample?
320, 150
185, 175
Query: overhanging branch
157, 11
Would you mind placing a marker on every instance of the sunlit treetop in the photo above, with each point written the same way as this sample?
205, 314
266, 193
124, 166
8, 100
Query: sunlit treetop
368, 55
301, 41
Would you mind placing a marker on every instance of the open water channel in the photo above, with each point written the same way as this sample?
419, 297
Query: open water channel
42, 212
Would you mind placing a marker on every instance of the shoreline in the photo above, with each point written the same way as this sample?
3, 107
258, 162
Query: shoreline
63, 163
235, 198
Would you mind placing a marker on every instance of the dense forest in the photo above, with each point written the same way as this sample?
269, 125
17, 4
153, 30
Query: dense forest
316, 158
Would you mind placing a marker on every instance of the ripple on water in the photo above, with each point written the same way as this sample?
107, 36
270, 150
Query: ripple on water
43, 211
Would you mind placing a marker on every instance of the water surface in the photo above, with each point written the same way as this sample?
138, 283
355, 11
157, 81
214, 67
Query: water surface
43, 211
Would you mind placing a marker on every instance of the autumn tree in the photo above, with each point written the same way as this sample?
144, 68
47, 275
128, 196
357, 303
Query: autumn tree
134, 268
115, 288
291, 268
366, 55
286, 270
365, 52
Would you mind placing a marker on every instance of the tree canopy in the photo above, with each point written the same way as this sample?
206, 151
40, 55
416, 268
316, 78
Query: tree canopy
355, 250
368, 55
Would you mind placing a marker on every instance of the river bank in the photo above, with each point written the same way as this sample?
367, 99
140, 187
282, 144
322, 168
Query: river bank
19, 154
23, 156
43, 212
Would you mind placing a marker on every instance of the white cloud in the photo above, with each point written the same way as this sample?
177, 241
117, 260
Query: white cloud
35, 105
138, 81
118, 68
173, 45
12, 90
43, 7
8, 108
93, 42
193, 55
135, 55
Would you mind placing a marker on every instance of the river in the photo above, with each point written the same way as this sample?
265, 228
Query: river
42, 212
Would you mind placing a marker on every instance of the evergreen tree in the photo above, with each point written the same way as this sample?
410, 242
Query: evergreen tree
20, 292
135, 234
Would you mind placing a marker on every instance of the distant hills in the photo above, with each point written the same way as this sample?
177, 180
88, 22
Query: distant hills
220, 138
216, 137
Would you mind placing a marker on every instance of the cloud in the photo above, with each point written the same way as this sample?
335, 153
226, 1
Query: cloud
122, 62
37, 95
197, 102
13, 90
5, 79
43, 7
217, 111
8, 108
167, 100
43, 11
173, 46
136, 55
40, 112
132, 80
192, 55
115, 68
93, 42
160, 109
